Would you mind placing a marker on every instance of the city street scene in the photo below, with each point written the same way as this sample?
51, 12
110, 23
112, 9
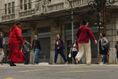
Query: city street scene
58, 39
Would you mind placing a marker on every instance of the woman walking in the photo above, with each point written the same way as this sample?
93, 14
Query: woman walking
59, 49
15, 42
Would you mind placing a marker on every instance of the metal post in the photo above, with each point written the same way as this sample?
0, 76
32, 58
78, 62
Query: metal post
72, 25
72, 21
98, 22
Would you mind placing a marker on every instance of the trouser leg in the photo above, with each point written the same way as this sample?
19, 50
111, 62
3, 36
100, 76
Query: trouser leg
88, 53
55, 57
37, 55
63, 56
1, 55
81, 52
26, 58
104, 59
74, 55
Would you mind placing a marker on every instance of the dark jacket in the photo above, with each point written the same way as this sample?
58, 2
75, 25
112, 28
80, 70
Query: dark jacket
59, 45
116, 46
36, 44
26, 47
1, 42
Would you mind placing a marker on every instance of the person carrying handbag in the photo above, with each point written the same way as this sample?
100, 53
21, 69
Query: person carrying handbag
74, 51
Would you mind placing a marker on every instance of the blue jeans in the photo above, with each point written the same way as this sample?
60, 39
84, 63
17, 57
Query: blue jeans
104, 56
37, 55
104, 59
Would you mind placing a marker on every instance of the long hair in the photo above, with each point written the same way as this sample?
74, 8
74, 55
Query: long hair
59, 36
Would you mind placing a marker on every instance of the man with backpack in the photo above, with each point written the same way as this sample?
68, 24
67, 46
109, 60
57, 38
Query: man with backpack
104, 48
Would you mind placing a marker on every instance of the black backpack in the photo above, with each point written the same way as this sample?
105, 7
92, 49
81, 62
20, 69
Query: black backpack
107, 46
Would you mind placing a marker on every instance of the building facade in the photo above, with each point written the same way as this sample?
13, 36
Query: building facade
49, 17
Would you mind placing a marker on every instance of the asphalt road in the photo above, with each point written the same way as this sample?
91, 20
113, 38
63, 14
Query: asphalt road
59, 72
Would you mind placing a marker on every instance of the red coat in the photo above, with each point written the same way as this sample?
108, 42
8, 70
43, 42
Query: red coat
84, 34
15, 40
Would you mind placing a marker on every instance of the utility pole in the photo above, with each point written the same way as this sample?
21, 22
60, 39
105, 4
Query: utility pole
72, 20
72, 25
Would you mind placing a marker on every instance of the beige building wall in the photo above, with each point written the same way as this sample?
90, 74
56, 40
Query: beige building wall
1, 8
56, 1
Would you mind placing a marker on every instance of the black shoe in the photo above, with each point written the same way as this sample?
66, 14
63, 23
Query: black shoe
11, 64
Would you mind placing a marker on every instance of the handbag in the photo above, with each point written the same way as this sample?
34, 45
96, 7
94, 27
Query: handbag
77, 56
69, 55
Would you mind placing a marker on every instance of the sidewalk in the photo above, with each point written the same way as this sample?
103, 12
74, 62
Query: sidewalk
46, 64
21, 64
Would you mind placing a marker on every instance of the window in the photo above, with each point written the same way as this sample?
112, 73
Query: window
21, 4
9, 8
5, 8
13, 7
25, 4
29, 4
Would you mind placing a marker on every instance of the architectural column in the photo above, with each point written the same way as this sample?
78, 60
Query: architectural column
111, 30
117, 28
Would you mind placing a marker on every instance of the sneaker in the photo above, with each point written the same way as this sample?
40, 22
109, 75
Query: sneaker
88, 63
101, 63
66, 62
77, 61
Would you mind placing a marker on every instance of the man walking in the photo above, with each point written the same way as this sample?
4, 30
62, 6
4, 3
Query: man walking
105, 48
83, 36
37, 48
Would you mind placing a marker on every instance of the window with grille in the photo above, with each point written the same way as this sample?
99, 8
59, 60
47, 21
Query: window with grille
9, 8
25, 4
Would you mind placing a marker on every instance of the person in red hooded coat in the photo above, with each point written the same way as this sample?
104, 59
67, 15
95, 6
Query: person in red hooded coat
15, 42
